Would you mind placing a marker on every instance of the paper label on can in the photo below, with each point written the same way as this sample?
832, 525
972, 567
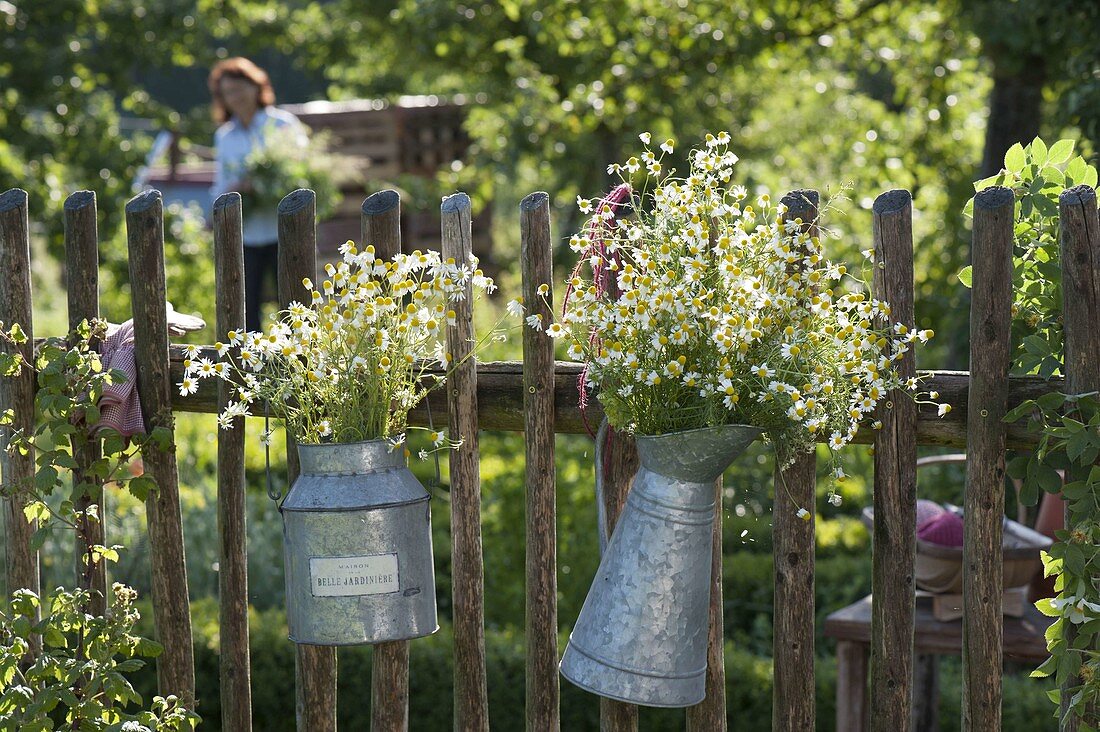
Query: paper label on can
373, 574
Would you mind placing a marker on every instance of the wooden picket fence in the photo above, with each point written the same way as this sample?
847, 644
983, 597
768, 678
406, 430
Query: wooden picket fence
539, 397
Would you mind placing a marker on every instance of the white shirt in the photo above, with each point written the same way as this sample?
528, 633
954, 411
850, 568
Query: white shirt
232, 144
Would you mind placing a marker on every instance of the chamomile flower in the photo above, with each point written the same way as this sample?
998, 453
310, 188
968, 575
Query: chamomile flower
372, 327
707, 306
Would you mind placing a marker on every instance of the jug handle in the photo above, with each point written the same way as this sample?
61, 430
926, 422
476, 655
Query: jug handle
272, 493
601, 507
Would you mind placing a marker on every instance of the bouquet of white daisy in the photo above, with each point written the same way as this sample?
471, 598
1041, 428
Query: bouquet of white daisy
349, 365
706, 307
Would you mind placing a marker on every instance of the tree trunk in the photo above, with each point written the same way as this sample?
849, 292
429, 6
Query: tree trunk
1015, 105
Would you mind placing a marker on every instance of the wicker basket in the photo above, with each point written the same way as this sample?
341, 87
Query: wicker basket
939, 569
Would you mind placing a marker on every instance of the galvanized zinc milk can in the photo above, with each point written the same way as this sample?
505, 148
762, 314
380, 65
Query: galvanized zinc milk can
358, 547
641, 636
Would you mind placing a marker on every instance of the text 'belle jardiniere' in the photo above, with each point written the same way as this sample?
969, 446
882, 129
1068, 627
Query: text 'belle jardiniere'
704, 318
343, 371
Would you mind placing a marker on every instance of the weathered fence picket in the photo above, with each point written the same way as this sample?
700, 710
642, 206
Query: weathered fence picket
620, 463
541, 612
82, 285
1080, 257
171, 606
894, 547
380, 227
710, 714
17, 393
793, 693
468, 567
990, 358
235, 670
314, 666
539, 396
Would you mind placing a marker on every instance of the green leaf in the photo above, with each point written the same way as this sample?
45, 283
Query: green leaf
1076, 489
1017, 467
141, 486
162, 437
1038, 150
1046, 206
1015, 158
1090, 628
36, 511
1075, 170
113, 443
1077, 444
1089, 177
1029, 493
1075, 559
1082, 640
1049, 479
21, 627
1020, 411
1053, 177
966, 275
993, 180
54, 637
100, 553
1046, 668
1068, 665
131, 664
1050, 401
45, 479
1060, 152
148, 648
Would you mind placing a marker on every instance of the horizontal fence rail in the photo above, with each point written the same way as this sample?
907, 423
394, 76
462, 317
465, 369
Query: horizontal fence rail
500, 402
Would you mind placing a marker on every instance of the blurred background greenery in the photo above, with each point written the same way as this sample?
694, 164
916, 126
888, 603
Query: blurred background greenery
853, 95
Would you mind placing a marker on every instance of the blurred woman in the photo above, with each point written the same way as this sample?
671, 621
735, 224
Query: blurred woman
243, 104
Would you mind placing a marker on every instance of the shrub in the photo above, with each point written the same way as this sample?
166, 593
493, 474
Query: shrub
748, 684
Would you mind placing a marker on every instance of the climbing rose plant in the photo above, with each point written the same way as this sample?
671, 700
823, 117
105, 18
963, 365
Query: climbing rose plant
62, 665
1066, 427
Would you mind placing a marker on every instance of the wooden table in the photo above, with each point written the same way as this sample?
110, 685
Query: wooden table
851, 627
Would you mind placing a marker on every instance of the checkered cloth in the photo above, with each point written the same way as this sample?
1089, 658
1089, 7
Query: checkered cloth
119, 406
